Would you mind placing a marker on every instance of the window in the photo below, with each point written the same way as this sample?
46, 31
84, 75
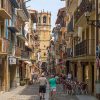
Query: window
39, 20
44, 19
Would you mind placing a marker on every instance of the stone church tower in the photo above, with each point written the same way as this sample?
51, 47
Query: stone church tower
43, 28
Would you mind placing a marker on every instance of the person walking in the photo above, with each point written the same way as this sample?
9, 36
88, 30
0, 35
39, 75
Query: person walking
42, 85
69, 76
33, 77
52, 84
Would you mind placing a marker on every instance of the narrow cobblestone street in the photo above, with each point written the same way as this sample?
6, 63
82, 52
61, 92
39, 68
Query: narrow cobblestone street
31, 93
54, 39
22, 93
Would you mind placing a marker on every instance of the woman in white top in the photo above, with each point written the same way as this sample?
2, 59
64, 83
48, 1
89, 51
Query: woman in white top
69, 76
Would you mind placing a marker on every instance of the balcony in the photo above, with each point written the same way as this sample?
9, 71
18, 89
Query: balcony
79, 15
13, 26
21, 34
4, 44
85, 48
5, 9
23, 13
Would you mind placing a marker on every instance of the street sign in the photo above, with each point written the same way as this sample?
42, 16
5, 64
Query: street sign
12, 60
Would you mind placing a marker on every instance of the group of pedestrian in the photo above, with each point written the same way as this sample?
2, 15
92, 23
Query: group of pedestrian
52, 82
43, 81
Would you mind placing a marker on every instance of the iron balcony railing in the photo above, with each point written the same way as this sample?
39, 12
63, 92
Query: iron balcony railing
84, 6
85, 47
21, 33
14, 27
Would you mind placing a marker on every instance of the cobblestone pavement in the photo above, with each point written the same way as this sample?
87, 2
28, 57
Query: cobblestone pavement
22, 93
31, 93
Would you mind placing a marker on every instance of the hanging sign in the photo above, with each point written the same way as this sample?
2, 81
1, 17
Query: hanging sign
12, 60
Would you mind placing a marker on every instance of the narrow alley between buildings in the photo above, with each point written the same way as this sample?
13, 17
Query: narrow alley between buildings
50, 46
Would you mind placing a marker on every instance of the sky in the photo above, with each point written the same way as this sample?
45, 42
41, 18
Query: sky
48, 5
